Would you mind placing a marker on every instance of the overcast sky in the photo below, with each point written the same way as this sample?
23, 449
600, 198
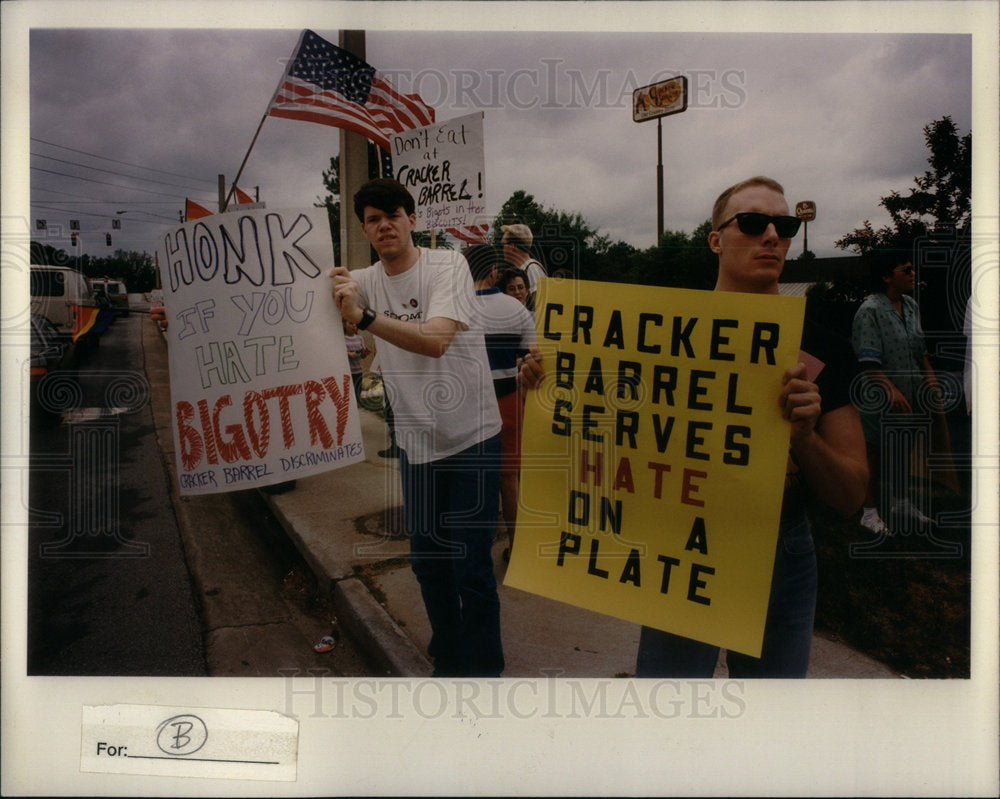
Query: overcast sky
836, 117
833, 107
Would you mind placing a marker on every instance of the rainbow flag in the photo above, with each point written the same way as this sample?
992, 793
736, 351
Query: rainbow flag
89, 319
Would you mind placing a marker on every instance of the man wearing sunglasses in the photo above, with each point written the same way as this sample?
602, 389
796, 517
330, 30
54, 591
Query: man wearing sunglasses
751, 233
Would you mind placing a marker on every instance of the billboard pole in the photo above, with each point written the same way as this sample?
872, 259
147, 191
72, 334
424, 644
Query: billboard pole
806, 211
659, 180
655, 102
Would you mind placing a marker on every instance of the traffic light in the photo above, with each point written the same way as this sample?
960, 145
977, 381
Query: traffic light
107, 239
72, 239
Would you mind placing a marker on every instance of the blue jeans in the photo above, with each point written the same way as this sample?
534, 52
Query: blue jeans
451, 508
787, 630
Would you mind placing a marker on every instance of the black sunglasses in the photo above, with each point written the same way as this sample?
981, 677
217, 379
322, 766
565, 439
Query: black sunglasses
754, 224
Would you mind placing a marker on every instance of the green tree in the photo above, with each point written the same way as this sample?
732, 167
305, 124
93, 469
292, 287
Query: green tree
679, 260
940, 201
561, 240
331, 180
136, 269
47, 255
567, 241
932, 223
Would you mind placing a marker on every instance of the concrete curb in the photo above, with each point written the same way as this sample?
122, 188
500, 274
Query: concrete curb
375, 632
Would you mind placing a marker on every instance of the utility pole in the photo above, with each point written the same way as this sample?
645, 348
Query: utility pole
354, 248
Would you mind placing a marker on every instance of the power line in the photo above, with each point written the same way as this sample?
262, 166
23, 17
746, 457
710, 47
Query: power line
113, 172
102, 182
90, 199
124, 163
107, 202
103, 216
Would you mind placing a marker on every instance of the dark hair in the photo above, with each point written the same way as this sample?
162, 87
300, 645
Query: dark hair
883, 262
508, 275
482, 259
385, 194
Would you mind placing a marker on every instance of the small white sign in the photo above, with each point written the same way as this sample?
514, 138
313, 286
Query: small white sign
442, 166
220, 743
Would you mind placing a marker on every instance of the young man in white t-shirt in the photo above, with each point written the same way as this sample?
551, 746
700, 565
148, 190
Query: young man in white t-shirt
420, 303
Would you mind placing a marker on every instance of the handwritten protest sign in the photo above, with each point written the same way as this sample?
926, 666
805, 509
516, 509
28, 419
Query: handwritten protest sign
260, 385
442, 167
654, 456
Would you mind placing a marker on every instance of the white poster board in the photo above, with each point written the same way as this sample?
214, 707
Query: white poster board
442, 166
260, 385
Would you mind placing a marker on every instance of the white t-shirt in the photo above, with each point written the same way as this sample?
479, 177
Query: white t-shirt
444, 405
508, 327
534, 270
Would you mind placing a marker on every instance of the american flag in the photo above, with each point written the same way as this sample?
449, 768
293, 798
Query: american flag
331, 86
472, 234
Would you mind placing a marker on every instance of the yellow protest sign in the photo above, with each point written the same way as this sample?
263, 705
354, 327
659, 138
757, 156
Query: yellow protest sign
654, 456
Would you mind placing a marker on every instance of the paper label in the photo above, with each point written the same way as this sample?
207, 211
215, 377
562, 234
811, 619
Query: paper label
189, 742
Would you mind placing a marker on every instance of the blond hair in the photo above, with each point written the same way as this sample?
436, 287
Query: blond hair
720, 204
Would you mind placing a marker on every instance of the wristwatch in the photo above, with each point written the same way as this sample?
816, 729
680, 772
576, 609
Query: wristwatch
367, 317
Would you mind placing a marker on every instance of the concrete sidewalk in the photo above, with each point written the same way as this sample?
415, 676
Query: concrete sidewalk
347, 524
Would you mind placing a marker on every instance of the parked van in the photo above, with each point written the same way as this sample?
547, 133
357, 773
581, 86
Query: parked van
60, 294
115, 291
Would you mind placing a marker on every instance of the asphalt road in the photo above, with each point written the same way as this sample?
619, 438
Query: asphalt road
126, 578
109, 588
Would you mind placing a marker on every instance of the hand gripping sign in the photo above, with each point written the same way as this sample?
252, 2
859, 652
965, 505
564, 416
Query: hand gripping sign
654, 456
260, 384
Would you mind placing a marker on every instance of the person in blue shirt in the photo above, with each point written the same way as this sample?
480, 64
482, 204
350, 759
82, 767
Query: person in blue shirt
889, 343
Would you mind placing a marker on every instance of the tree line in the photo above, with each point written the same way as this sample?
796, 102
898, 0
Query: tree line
136, 269
936, 212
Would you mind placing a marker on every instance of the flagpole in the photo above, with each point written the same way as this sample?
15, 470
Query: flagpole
281, 83
246, 157
354, 248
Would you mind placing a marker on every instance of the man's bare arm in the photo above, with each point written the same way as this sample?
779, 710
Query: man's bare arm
829, 448
431, 337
